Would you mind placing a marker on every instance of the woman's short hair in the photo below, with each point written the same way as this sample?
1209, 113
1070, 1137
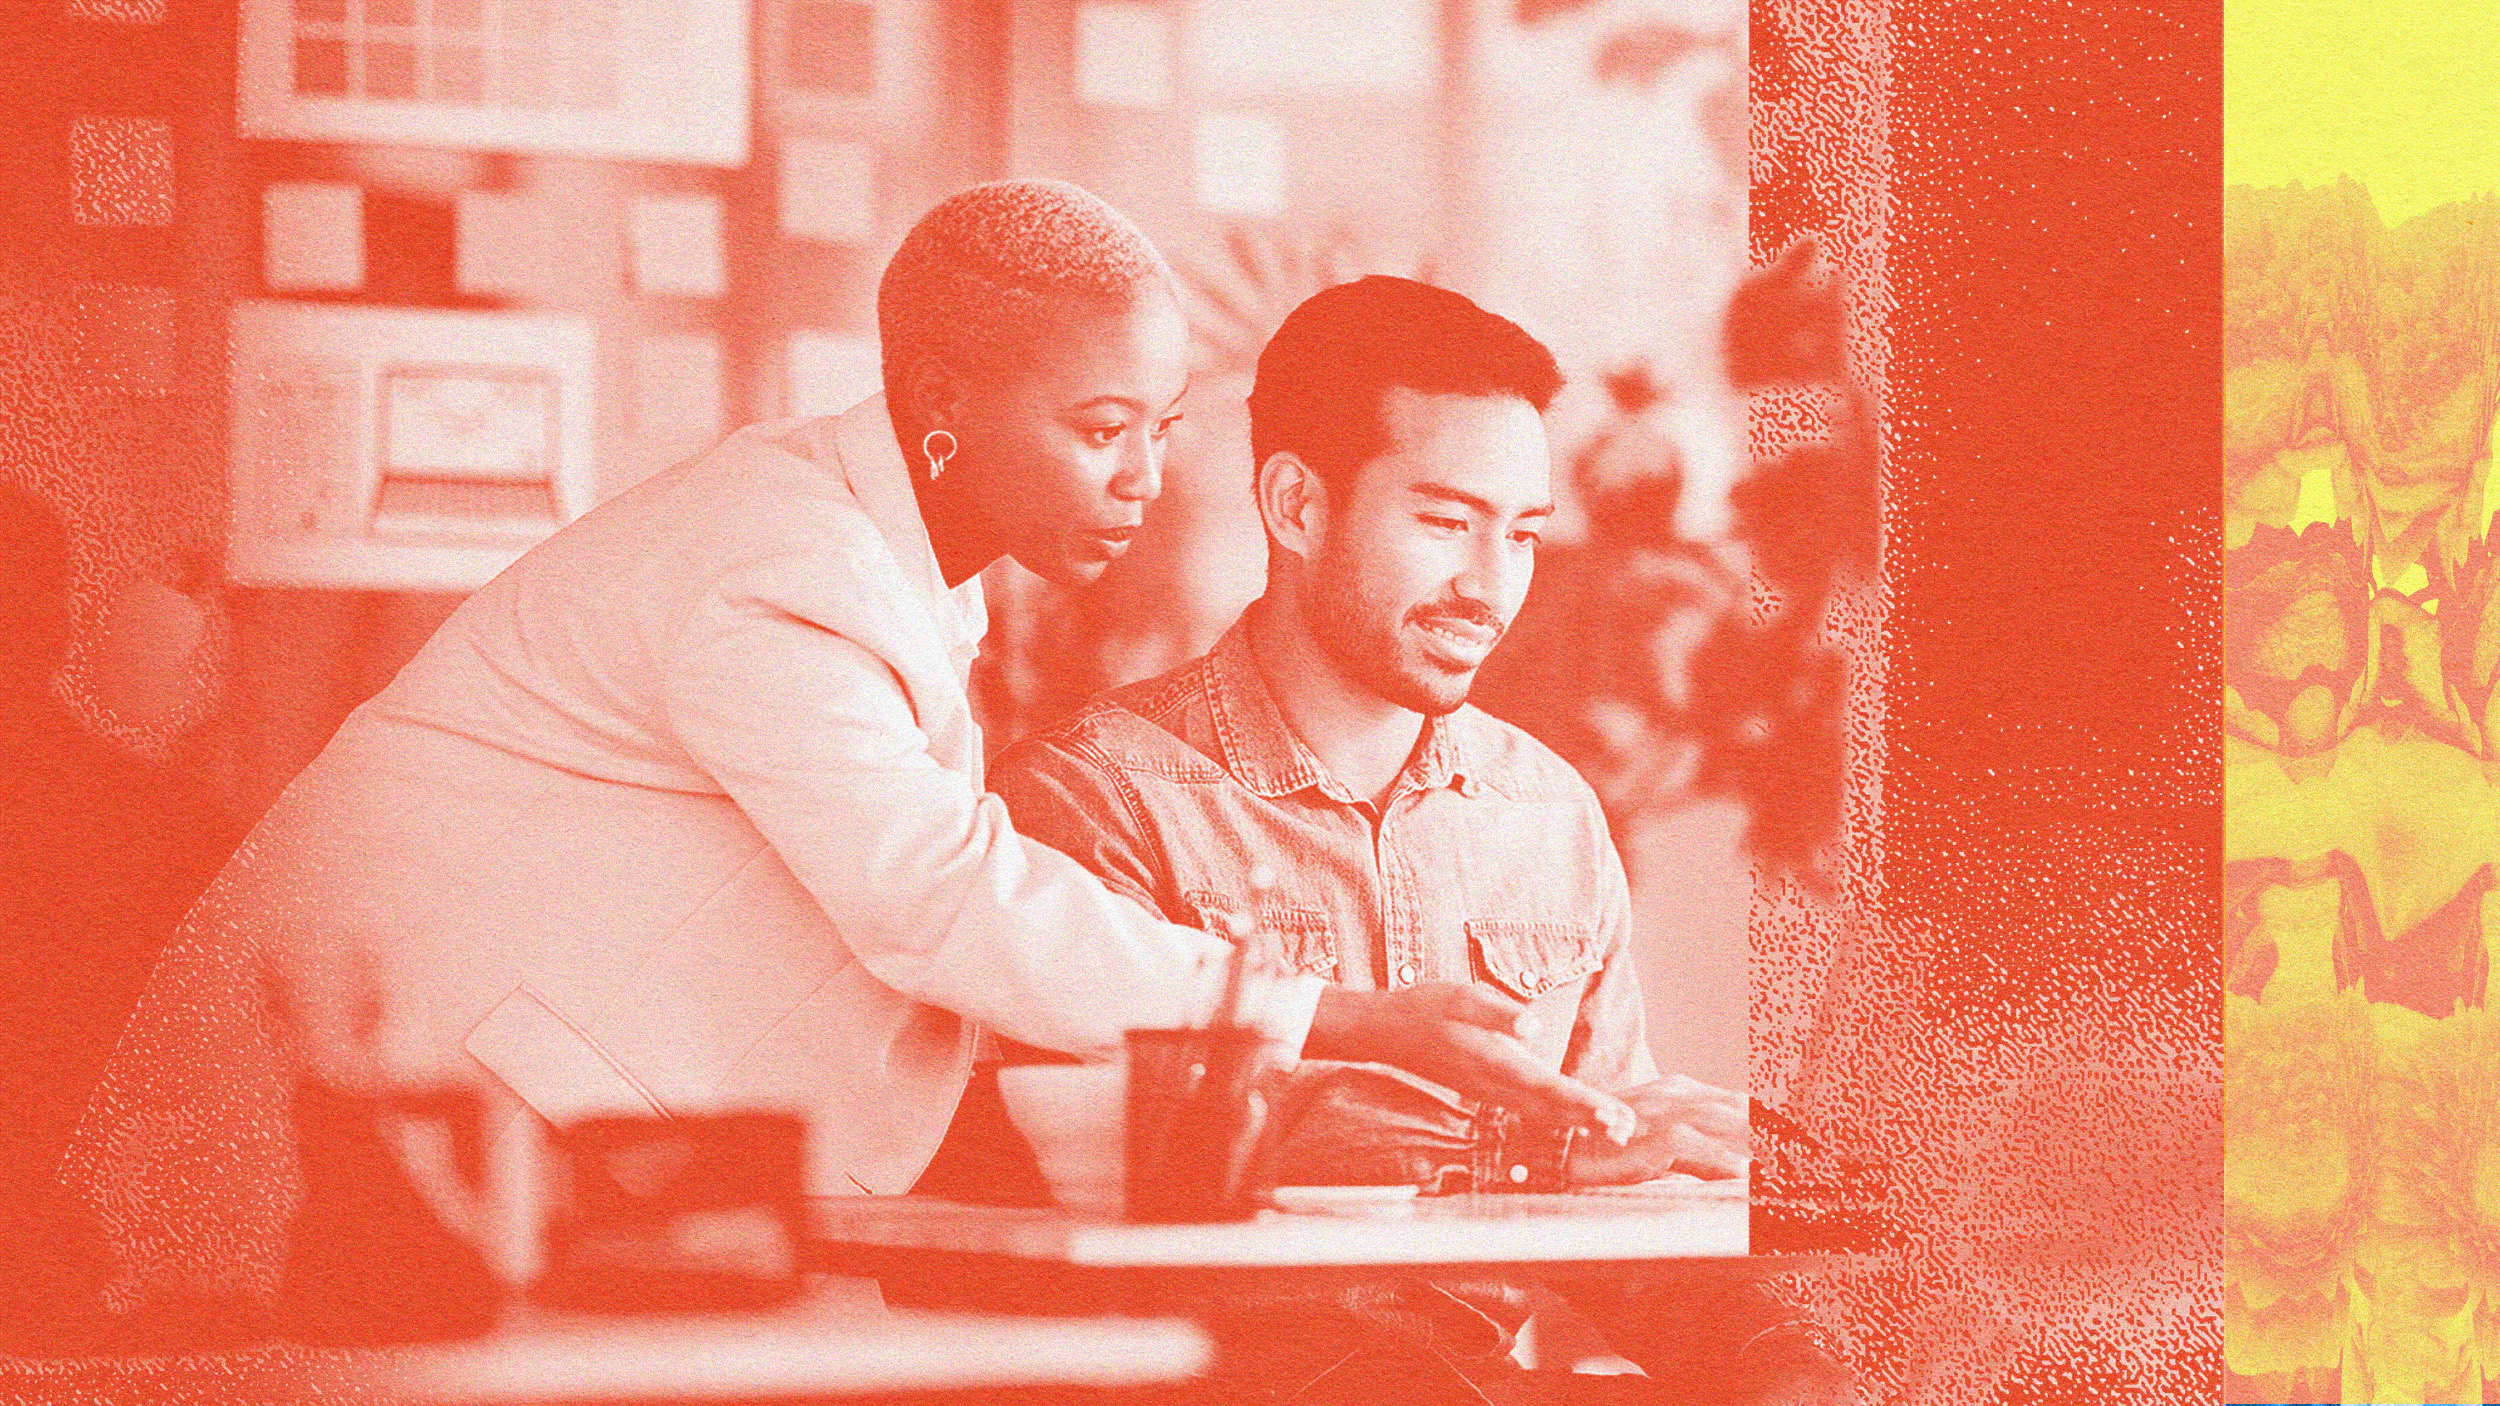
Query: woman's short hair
981, 272
1324, 375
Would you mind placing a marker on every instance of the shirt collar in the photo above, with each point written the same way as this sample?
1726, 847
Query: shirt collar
1265, 755
1442, 759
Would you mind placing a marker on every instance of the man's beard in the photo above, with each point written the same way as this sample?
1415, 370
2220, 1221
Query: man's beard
1375, 654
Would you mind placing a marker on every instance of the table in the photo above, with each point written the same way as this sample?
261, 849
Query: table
1259, 1283
1659, 1221
1031, 1260
813, 1349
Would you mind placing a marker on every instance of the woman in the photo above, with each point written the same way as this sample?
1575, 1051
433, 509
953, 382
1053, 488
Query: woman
684, 812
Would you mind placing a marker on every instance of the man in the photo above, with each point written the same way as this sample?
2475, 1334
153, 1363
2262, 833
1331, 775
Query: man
1403, 476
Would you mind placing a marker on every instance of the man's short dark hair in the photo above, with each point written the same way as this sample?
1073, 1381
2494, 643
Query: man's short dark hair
1326, 372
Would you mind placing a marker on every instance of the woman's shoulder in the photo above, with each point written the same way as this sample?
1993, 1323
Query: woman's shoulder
758, 501
739, 528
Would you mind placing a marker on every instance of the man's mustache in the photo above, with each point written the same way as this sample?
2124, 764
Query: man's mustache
1462, 612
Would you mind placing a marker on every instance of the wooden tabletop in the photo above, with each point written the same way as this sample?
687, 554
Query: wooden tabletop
1659, 1221
809, 1350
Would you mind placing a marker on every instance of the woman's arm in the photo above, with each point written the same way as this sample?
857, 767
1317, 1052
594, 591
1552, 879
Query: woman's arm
814, 738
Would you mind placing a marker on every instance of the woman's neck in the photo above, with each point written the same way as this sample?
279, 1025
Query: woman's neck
963, 551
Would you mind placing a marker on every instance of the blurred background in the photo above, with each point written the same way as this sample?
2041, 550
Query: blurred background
320, 311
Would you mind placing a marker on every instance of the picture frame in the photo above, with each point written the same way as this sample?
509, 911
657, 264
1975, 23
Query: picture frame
656, 80
403, 448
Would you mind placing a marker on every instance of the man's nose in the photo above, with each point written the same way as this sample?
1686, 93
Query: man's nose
1140, 477
1496, 576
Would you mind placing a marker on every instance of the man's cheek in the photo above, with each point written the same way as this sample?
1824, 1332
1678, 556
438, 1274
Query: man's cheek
1508, 606
1519, 593
1422, 571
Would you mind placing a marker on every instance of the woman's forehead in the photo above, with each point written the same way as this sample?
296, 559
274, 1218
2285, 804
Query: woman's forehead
1089, 346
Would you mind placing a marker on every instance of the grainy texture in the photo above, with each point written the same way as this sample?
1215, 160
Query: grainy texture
121, 170
2014, 999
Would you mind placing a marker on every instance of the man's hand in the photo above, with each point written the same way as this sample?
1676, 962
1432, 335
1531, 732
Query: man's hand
1462, 1037
1685, 1126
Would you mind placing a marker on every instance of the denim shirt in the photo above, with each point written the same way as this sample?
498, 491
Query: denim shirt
1489, 862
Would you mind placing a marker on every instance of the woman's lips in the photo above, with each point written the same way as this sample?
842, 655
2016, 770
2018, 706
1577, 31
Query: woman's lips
1106, 542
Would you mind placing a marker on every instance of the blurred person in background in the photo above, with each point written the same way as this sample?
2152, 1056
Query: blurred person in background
1404, 477
684, 812
1599, 663
1670, 667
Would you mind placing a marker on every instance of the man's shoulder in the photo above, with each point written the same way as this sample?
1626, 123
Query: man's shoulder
1510, 761
1156, 725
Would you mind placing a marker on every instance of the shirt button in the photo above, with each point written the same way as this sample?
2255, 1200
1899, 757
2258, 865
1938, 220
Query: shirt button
1518, 1171
1532, 977
1406, 974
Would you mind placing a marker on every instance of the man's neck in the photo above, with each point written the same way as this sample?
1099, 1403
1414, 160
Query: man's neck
1361, 738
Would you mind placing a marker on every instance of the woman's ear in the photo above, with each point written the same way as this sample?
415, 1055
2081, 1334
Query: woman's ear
933, 395
1293, 504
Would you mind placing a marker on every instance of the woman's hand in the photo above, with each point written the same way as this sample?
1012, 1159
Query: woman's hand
1463, 1037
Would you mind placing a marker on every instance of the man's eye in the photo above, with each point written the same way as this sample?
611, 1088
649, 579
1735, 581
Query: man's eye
1443, 524
1102, 436
1165, 427
1526, 537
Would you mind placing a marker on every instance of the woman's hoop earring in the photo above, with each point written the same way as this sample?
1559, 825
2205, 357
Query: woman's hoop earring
937, 459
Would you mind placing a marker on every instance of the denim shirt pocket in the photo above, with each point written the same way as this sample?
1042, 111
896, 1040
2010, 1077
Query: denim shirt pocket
1300, 935
1532, 957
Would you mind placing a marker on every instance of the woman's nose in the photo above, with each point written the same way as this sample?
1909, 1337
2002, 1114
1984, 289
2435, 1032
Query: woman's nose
1140, 479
